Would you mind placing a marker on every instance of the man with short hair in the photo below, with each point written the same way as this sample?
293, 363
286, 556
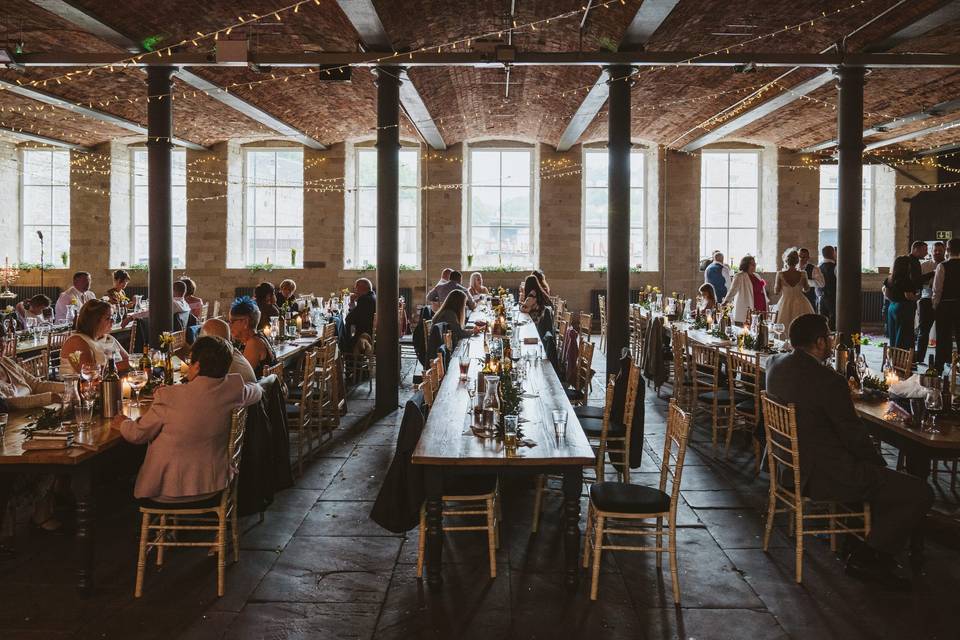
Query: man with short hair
220, 329
838, 461
827, 292
359, 321
717, 273
77, 295
439, 293
814, 277
946, 303
925, 303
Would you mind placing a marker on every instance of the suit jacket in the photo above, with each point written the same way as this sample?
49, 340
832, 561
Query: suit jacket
837, 457
361, 317
187, 429
397, 507
827, 294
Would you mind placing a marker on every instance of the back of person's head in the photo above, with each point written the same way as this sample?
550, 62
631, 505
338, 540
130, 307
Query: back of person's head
745, 262
718, 256
91, 315
805, 330
531, 287
445, 274
707, 289
456, 301
215, 327
826, 251
120, 275
791, 257
39, 301
918, 244
263, 290
214, 354
179, 289
541, 279
953, 246
189, 284
364, 285
456, 276
245, 307
901, 268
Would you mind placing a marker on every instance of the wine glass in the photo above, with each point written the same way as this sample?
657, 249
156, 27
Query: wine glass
88, 372
777, 328
731, 332
138, 380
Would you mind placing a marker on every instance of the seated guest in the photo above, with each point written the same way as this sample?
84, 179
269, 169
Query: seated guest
542, 279
533, 298
32, 308
708, 298
838, 461
194, 302
359, 321
476, 285
116, 294
453, 311
266, 297
76, 295
219, 329
244, 320
92, 338
287, 294
439, 293
179, 305
20, 389
187, 428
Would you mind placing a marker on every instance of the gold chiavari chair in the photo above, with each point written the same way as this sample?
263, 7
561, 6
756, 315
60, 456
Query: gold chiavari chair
277, 370
627, 506
204, 312
437, 366
682, 384
783, 459
216, 309
179, 340
328, 387
134, 325
586, 326
428, 387
10, 346
708, 394
562, 323
581, 391
643, 326
745, 381
211, 515
900, 359
54, 346
302, 414
602, 301
38, 364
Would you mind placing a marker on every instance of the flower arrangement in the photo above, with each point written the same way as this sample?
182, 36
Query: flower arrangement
875, 383
859, 339
64, 258
74, 359
166, 342
293, 257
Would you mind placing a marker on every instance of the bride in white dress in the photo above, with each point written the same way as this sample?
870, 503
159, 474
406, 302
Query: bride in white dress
791, 284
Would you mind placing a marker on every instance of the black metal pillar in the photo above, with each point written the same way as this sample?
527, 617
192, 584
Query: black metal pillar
159, 146
388, 240
618, 212
850, 199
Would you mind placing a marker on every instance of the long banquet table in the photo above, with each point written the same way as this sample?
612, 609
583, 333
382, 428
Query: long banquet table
448, 446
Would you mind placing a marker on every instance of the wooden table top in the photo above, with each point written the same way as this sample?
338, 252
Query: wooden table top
448, 440
291, 348
29, 345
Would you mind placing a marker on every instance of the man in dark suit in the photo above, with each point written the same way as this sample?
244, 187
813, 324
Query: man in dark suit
360, 318
827, 292
838, 461
814, 277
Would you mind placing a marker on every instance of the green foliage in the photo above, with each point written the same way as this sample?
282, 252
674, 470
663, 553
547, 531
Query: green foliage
503, 268
30, 266
511, 395
139, 267
260, 266
64, 258
409, 267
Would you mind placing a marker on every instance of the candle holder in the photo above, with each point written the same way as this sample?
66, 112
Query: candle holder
8, 275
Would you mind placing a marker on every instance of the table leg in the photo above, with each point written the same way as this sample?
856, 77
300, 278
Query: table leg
433, 485
86, 520
917, 464
572, 486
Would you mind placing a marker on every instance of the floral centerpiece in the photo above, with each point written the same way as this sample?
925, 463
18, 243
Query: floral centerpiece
166, 348
511, 400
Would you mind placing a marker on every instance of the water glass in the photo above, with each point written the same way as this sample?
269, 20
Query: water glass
84, 414
510, 431
560, 423
3, 423
464, 368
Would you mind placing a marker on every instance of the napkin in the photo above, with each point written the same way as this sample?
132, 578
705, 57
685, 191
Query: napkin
909, 388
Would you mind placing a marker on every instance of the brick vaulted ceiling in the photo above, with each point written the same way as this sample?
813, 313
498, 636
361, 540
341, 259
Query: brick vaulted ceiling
670, 106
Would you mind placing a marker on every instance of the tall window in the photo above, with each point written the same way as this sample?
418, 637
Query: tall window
140, 221
361, 225
45, 205
829, 206
500, 208
729, 203
594, 238
273, 206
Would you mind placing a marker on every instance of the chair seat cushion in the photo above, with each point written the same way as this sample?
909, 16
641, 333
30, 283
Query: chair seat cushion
745, 406
723, 396
593, 427
293, 410
406, 340
206, 503
589, 412
469, 485
574, 394
621, 497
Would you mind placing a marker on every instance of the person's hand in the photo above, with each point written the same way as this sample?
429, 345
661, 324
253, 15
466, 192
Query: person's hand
353, 297
909, 295
118, 420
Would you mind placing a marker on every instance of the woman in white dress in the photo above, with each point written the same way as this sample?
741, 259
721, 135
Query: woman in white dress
92, 338
791, 284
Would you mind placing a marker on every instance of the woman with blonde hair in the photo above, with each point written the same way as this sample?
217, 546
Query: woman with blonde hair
791, 283
476, 285
92, 339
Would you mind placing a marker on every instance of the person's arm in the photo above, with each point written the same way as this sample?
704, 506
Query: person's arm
938, 285
251, 394
471, 303
777, 287
254, 352
433, 296
145, 428
804, 283
727, 277
733, 289
817, 276
846, 423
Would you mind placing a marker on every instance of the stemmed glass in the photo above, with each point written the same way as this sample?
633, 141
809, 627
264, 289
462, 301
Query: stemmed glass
777, 328
31, 324
138, 380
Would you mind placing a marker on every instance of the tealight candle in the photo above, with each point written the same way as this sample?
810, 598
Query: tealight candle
266, 331
125, 390
299, 323
184, 367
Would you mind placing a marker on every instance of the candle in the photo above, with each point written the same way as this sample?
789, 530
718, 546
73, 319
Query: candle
266, 331
125, 390
299, 323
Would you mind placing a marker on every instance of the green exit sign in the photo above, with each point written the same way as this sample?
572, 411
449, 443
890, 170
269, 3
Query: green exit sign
944, 235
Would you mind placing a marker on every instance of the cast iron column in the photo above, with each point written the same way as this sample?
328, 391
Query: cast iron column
618, 212
388, 239
159, 132
850, 198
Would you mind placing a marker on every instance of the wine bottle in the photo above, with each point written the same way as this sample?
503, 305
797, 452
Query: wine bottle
111, 391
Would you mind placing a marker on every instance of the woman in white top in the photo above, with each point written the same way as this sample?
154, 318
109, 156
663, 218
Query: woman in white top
33, 308
791, 283
92, 339
747, 291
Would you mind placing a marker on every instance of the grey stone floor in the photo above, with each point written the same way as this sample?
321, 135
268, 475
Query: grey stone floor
317, 567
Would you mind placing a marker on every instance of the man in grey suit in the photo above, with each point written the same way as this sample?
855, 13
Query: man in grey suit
838, 461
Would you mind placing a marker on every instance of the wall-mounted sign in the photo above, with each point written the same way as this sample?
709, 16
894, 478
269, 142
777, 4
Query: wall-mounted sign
944, 235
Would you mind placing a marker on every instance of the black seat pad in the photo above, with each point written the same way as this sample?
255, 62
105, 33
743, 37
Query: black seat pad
722, 396
589, 412
574, 394
593, 427
621, 497
745, 406
469, 485
207, 503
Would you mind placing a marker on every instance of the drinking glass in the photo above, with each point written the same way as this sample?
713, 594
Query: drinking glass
88, 372
560, 423
464, 369
3, 423
510, 431
731, 332
777, 329
933, 404
138, 380
84, 414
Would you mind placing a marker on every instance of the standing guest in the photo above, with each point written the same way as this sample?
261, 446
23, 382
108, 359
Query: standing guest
542, 279
92, 339
244, 326
194, 302
186, 457
718, 274
476, 285
453, 311
708, 298
827, 291
77, 295
220, 329
439, 293
287, 294
359, 321
534, 300
838, 460
32, 308
266, 297
747, 291
918, 253
814, 277
116, 294
899, 291
925, 303
946, 303
792, 284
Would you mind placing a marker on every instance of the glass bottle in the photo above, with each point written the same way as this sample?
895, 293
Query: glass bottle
491, 404
111, 392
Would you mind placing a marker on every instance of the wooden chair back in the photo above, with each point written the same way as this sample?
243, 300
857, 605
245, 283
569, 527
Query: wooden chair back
954, 374
704, 367
277, 370
329, 332
900, 359
783, 449
132, 347
674, 451
586, 326
10, 346
605, 430
745, 379
428, 387
238, 427
38, 365
584, 368
216, 308
681, 369
204, 312
437, 366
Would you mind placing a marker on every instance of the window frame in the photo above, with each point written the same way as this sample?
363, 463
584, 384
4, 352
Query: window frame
501, 147
640, 152
50, 185
867, 249
133, 151
758, 153
245, 186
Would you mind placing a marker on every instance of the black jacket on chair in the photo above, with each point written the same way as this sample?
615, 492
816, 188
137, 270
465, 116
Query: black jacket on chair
419, 339
639, 407
265, 464
397, 507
